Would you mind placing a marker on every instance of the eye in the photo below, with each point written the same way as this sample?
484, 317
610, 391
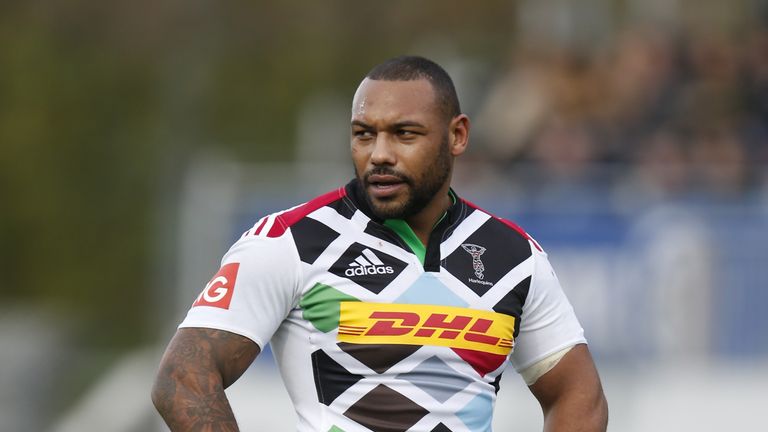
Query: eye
406, 134
362, 134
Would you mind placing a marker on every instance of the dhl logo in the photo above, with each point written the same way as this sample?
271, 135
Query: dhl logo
411, 324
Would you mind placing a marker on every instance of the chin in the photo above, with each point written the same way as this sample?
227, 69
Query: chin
393, 207
388, 211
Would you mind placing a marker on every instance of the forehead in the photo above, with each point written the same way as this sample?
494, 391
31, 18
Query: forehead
378, 100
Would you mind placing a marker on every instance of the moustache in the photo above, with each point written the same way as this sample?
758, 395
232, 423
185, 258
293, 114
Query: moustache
387, 171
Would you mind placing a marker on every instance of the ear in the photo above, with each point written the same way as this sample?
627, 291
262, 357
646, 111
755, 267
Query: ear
459, 134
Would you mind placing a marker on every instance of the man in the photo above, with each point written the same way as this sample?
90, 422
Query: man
391, 303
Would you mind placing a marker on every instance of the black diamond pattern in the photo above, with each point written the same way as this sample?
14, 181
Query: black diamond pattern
371, 276
343, 207
504, 248
378, 357
312, 238
497, 384
385, 410
331, 378
512, 302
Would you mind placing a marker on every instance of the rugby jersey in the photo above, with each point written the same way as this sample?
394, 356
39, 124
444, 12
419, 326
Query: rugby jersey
371, 336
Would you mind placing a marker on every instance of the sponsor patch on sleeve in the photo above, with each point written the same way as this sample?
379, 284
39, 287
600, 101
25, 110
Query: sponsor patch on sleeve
218, 292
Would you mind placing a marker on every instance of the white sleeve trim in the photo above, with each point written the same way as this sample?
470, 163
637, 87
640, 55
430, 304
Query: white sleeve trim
567, 345
532, 373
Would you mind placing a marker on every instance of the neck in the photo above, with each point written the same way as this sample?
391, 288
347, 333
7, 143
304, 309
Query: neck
422, 222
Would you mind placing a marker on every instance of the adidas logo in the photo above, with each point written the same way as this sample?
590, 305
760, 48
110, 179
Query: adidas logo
367, 264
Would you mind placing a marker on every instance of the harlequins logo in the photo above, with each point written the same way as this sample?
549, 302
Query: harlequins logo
475, 251
367, 264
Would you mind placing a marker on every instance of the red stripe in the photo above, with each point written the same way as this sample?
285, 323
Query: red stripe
508, 223
480, 361
261, 225
285, 220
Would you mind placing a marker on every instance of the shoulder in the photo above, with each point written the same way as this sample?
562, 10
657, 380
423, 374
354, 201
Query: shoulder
276, 224
505, 229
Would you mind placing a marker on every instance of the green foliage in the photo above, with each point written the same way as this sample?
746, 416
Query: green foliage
101, 104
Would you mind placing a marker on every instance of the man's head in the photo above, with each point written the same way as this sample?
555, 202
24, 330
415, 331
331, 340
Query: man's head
412, 68
406, 129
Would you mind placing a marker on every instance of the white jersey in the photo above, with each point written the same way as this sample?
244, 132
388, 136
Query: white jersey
370, 336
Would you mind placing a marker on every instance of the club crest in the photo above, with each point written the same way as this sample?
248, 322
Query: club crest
475, 251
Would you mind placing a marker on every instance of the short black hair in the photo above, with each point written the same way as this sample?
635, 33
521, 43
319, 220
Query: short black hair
410, 68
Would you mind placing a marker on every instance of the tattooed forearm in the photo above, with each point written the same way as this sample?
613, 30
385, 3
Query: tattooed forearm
187, 411
196, 368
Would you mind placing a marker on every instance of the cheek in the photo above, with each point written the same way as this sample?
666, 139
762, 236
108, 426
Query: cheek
420, 161
356, 153
359, 158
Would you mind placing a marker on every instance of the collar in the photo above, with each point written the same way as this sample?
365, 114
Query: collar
457, 212
355, 192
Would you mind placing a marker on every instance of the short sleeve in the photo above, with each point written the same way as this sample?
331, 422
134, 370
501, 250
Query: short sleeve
253, 291
548, 322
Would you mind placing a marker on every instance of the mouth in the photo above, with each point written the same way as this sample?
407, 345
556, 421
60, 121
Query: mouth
383, 186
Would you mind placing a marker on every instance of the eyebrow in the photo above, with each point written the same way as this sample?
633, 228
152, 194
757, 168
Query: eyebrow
398, 125
402, 124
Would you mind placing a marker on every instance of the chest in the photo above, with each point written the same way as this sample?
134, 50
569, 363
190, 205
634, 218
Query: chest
373, 298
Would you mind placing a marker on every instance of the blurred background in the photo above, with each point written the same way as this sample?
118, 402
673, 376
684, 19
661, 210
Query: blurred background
139, 139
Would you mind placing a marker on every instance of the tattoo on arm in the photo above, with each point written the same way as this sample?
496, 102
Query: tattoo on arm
196, 368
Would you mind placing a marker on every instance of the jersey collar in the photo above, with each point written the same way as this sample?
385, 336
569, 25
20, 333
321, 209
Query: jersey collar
457, 212
357, 196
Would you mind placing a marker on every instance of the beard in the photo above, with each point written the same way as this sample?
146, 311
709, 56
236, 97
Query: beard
420, 192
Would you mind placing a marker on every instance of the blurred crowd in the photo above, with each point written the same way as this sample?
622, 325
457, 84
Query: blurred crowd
663, 113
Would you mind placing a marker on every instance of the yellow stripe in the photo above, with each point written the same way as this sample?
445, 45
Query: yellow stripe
412, 324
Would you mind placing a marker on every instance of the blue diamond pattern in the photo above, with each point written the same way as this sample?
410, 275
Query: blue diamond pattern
436, 378
427, 289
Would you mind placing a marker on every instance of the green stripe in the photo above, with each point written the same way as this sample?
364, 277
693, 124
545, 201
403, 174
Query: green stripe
321, 306
401, 228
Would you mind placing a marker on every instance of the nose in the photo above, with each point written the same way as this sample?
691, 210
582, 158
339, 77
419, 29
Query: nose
383, 152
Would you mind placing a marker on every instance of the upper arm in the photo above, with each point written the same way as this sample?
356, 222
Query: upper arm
570, 393
236, 314
573, 387
196, 368
206, 358
257, 286
548, 323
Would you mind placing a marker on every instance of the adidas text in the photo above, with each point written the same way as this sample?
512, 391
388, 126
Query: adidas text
369, 270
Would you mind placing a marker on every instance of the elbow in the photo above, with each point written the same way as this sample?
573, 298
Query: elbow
600, 413
604, 413
156, 396
162, 392
588, 412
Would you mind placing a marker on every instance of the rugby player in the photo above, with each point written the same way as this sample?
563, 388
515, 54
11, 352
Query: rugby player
391, 303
